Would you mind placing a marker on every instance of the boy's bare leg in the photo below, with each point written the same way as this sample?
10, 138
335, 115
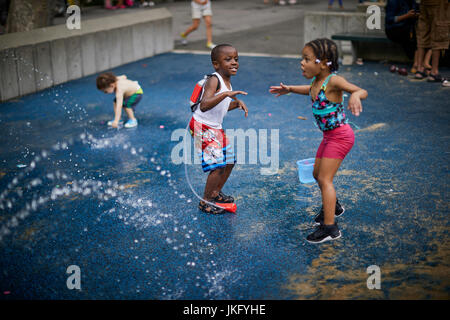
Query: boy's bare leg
208, 23
130, 113
212, 183
225, 176
193, 27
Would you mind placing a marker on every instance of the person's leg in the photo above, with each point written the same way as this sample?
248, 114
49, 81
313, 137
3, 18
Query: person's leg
192, 27
439, 36
423, 39
327, 171
414, 67
225, 176
212, 184
316, 169
130, 113
420, 56
435, 62
427, 59
208, 23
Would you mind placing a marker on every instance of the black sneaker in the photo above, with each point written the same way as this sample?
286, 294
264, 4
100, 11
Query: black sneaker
337, 213
324, 233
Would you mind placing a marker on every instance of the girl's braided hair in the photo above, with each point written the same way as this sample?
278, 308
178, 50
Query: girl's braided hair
325, 49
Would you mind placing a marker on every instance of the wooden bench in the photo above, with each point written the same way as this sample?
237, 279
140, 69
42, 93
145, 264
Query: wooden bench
350, 42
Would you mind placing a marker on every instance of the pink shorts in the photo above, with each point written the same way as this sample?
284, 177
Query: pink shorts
336, 143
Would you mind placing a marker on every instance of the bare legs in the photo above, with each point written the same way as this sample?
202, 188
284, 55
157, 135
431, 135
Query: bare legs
423, 60
324, 171
130, 113
195, 24
435, 62
215, 182
208, 24
192, 27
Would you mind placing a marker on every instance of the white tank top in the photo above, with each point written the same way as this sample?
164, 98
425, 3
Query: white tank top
214, 117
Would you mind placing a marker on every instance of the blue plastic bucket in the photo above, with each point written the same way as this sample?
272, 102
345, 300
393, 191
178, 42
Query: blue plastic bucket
305, 170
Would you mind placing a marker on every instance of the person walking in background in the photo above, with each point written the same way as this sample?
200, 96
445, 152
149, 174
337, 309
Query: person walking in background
200, 8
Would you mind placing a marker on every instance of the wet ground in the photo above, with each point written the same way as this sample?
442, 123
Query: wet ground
73, 192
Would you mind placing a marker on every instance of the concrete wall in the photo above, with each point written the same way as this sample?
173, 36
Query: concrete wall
38, 59
323, 24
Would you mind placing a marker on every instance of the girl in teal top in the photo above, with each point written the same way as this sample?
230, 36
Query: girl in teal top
320, 63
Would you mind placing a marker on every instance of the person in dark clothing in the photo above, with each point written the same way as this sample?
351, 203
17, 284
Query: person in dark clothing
4, 5
400, 26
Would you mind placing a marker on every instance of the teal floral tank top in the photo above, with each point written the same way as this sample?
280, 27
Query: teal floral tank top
329, 115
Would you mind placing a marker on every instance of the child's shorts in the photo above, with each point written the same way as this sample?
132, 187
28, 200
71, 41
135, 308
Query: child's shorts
336, 143
199, 10
212, 145
133, 100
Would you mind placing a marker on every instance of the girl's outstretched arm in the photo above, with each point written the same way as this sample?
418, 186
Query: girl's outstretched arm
357, 94
284, 89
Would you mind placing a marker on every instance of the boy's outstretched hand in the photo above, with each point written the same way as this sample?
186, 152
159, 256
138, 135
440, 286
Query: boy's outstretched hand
238, 103
241, 105
279, 90
354, 104
233, 94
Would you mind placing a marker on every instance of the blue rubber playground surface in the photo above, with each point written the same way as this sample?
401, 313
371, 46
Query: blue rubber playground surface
114, 203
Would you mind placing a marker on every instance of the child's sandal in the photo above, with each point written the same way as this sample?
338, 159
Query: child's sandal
435, 78
223, 198
203, 206
420, 75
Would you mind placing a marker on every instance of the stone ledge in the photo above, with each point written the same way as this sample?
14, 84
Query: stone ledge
38, 59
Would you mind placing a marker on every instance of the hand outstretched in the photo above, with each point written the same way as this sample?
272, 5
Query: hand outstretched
279, 90
241, 105
233, 94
